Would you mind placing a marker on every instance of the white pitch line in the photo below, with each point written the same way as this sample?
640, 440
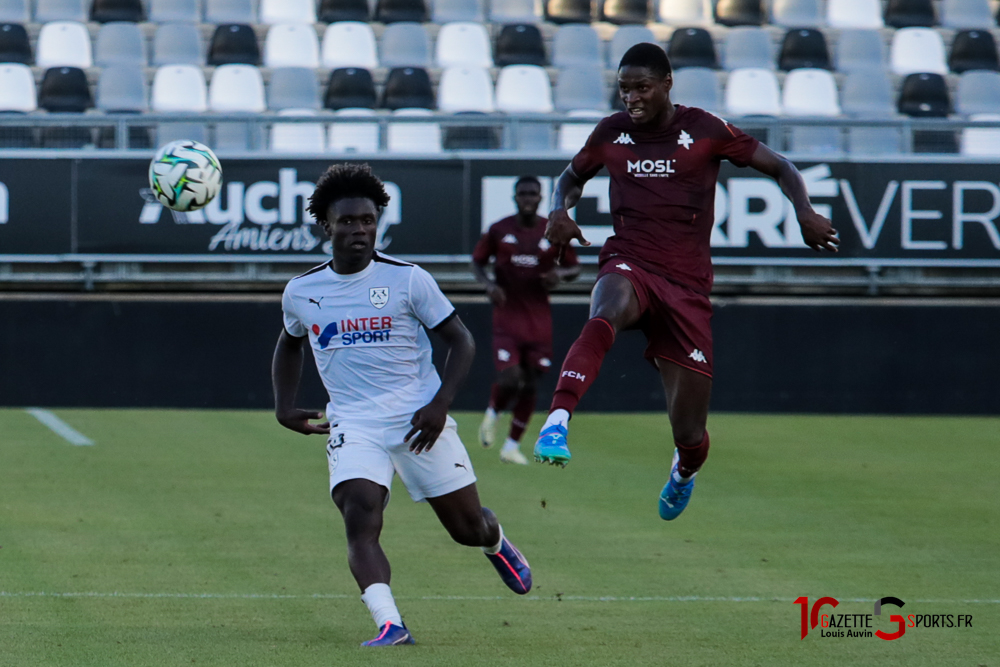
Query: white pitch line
59, 427
446, 598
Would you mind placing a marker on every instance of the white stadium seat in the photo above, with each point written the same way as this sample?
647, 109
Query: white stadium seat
291, 45
361, 137
64, 44
463, 44
810, 92
687, 13
412, 138
349, 44
573, 135
297, 137
17, 88
524, 89
466, 89
273, 12
854, 14
236, 88
752, 92
916, 50
179, 88
981, 140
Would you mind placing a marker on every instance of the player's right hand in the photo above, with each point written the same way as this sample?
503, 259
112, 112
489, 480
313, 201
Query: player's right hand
561, 229
298, 421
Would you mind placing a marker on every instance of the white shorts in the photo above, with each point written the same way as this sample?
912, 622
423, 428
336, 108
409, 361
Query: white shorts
375, 451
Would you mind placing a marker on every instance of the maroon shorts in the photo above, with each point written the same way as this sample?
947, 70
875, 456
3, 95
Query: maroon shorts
677, 321
510, 351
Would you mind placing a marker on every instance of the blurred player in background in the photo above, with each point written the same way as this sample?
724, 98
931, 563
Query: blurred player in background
656, 271
364, 316
525, 270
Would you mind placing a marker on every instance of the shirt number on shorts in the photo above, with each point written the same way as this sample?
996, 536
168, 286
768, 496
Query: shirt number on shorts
333, 446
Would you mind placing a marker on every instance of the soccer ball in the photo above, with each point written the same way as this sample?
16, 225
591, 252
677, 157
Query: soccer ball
185, 175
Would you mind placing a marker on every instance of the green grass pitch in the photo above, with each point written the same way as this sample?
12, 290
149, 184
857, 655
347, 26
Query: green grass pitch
208, 538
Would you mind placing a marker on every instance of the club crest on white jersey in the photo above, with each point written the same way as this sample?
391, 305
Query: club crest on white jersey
379, 296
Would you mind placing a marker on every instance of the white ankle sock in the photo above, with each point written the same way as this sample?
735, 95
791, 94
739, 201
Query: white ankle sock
494, 550
511, 445
491, 413
560, 417
378, 598
681, 479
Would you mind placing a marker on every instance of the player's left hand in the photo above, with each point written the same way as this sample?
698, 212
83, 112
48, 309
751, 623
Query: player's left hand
428, 422
818, 232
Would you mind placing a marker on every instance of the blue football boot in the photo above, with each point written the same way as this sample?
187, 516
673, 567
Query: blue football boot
551, 446
512, 567
391, 635
675, 496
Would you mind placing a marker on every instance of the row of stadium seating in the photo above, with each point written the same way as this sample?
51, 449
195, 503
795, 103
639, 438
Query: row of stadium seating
353, 44
789, 13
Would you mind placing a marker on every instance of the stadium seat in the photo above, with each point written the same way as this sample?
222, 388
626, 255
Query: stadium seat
973, 49
405, 45
14, 44
357, 137
624, 39
748, 47
909, 14
451, 11
854, 14
575, 45
981, 141
177, 44
463, 44
413, 138
236, 88
622, 12
122, 89
524, 89
917, 50
978, 92
61, 10
292, 88
63, 44
393, 11
335, 11
924, 94
810, 92
291, 45
697, 87
686, 12
179, 88
14, 11
106, 11
119, 43
569, 11
860, 49
175, 11
752, 92
519, 45
350, 88
797, 13
581, 88
804, 47
867, 94
229, 11
17, 88
408, 88
514, 11
740, 12
65, 89
466, 88
297, 137
967, 14
349, 44
234, 44
273, 12
574, 134
692, 47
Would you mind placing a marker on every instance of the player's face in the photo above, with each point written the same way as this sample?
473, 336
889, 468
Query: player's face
643, 93
351, 224
527, 197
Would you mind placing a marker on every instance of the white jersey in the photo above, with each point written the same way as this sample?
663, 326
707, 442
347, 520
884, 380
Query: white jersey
367, 335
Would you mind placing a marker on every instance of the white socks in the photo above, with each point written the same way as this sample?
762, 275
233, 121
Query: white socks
378, 598
560, 417
681, 479
491, 413
511, 445
493, 551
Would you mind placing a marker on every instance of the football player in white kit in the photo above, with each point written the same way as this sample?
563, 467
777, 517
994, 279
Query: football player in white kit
364, 316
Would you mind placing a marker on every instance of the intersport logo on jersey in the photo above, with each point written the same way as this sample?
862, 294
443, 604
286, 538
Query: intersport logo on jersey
355, 331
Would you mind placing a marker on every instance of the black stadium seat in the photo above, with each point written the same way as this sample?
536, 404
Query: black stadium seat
331, 11
234, 43
408, 88
910, 14
973, 49
14, 44
692, 47
519, 44
804, 47
623, 12
104, 11
925, 95
740, 12
65, 89
350, 88
394, 11
569, 11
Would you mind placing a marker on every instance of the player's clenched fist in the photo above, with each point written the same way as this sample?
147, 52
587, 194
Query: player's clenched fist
818, 232
562, 229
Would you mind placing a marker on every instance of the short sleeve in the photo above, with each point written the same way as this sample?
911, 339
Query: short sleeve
730, 142
590, 159
293, 325
427, 301
484, 249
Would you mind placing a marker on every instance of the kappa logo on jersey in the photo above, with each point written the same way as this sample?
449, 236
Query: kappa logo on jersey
379, 296
544, 245
623, 266
651, 168
355, 331
503, 355
624, 138
698, 356
685, 140
509, 238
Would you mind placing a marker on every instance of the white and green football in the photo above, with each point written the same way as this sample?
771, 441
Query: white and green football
185, 175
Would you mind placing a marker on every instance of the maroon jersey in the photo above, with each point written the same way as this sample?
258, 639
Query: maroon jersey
663, 188
521, 257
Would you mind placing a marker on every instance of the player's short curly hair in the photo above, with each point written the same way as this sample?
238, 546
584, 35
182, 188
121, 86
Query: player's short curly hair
527, 179
651, 56
344, 181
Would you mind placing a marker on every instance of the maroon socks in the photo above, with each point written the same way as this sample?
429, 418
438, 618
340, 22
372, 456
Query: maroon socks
583, 362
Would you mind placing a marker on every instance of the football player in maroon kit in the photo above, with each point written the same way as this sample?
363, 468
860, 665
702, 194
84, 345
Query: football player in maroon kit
656, 271
525, 270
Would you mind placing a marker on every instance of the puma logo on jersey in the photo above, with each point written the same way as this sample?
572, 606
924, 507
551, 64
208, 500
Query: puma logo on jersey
698, 356
624, 139
317, 302
510, 238
685, 140
460, 465
623, 266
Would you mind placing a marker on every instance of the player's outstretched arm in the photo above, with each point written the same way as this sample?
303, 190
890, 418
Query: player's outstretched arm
429, 421
286, 371
817, 231
561, 228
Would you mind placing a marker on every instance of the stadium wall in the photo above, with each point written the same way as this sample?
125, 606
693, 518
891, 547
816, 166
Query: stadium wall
823, 356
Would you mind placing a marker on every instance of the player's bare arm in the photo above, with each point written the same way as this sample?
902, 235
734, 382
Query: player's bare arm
496, 293
817, 231
429, 421
561, 228
560, 274
286, 371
